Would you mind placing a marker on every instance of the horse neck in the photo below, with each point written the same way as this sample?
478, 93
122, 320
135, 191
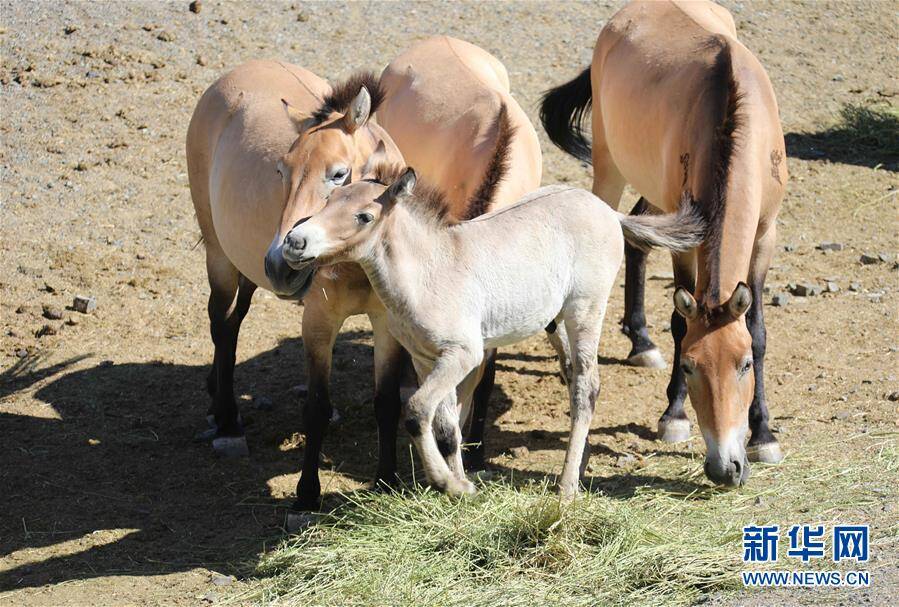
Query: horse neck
406, 260
734, 209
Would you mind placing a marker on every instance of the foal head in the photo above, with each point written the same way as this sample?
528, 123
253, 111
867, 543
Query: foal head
349, 224
716, 358
331, 146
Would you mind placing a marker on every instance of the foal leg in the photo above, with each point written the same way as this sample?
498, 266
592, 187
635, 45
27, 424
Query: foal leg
440, 383
320, 328
473, 452
762, 447
225, 317
643, 352
584, 332
390, 362
674, 425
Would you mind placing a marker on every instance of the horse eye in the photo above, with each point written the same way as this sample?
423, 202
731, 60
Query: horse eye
747, 365
364, 218
686, 369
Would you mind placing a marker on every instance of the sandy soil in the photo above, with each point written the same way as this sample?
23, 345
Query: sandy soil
107, 501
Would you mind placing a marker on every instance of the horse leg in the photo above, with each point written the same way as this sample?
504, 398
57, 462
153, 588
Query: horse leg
644, 352
583, 333
320, 328
473, 453
390, 362
439, 383
674, 425
762, 447
559, 341
225, 317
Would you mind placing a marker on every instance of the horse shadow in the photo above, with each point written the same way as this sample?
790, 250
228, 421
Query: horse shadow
864, 136
114, 460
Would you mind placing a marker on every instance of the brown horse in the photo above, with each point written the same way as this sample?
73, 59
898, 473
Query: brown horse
266, 145
682, 108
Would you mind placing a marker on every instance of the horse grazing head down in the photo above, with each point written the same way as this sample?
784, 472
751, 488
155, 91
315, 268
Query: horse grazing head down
716, 358
332, 145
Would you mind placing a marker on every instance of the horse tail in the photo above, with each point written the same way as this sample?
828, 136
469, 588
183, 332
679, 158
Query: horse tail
678, 231
481, 200
562, 113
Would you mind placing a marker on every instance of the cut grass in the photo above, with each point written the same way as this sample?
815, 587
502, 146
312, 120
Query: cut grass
520, 546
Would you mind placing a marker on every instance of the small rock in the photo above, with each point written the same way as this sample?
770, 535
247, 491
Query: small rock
885, 257
52, 312
519, 452
201, 60
302, 17
805, 290
625, 460
210, 597
300, 390
841, 415
789, 248
70, 29
832, 287
22, 353
867, 260
855, 287
45, 330
893, 396
780, 299
165, 36
830, 246
264, 403
759, 501
222, 580
72, 321
195, 7
84, 304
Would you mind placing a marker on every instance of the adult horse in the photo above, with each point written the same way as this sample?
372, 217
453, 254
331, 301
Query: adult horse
450, 86
682, 109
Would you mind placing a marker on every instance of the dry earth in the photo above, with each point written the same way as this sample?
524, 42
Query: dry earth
105, 499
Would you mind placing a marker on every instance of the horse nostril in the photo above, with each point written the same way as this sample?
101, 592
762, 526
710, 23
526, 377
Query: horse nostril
738, 467
292, 242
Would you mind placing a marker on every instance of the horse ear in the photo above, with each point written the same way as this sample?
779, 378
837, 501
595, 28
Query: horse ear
379, 156
402, 188
300, 120
360, 108
685, 304
740, 301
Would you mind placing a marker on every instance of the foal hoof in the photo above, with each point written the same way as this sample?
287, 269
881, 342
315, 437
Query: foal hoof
674, 430
460, 486
298, 521
231, 446
767, 453
651, 359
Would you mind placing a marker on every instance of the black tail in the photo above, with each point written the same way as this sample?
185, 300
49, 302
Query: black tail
562, 113
482, 199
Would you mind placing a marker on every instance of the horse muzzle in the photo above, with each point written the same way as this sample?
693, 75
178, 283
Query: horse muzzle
731, 472
287, 282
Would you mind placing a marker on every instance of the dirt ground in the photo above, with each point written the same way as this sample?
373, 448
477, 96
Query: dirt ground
104, 497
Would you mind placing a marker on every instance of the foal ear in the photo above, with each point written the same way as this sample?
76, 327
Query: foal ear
300, 120
740, 301
402, 188
359, 110
379, 156
685, 304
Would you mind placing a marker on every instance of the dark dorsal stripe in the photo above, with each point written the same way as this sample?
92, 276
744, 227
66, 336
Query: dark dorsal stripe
343, 93
725, 120
499, 165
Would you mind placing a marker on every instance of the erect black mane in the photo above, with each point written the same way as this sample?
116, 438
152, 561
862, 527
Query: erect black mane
343, 93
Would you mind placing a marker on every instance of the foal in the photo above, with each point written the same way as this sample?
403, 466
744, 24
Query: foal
453, 290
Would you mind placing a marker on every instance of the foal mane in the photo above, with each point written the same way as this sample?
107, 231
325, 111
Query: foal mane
343, 93
727, 120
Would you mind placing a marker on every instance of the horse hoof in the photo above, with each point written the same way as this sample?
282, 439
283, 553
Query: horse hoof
460, 486
231, 446
651, 359
767, 453
674, 430
298, 521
